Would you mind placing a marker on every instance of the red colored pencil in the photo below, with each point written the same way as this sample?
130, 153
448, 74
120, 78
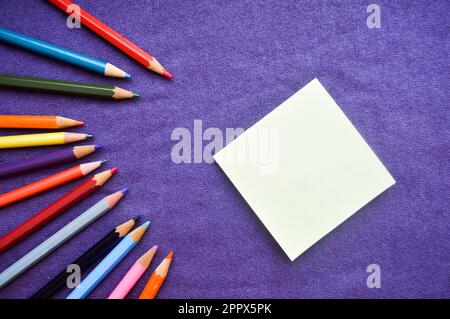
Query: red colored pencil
112, 36
47, 183
55, 209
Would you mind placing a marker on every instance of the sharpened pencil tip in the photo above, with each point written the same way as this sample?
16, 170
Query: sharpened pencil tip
113, 170
170, 255
124, 191
137, 234
78, 123
89, 135
103, 161
136, 218
114, 198
136, 95
127, 76
98, 146
167, 74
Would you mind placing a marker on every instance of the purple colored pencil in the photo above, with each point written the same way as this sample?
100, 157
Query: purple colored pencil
66, 155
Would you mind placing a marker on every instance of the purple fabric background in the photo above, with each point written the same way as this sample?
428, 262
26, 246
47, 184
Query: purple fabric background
233, 62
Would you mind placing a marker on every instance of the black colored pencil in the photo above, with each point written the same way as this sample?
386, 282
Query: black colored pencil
88, 258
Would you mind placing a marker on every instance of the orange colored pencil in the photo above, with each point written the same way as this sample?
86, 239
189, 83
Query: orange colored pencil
48, 183
37, 121
157, 278
112, 36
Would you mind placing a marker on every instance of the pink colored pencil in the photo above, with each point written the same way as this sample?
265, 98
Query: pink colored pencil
133, 275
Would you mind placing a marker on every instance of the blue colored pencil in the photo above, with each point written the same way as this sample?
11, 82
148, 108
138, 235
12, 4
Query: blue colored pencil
108, 263
59, 238
62, 54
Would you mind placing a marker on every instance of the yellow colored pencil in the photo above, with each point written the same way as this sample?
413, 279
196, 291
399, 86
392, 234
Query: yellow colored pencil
44, 139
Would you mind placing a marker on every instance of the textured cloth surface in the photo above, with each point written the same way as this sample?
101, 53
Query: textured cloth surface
233, 62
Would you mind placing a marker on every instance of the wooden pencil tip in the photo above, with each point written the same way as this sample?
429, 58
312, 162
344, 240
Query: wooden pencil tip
114, 198
103, 177
127, 76
83, 150
125, 228
75, 137
120, 94
146, 258
136, 95
86, 168
63, 122
170, 255
139, 232
114, 71
114, 170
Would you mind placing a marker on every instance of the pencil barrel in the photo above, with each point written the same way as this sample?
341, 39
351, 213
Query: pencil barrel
57, 86
103, 268
53, 51
27, 140
47, 214
40, 186
24, 121
113, 37
53, 242
34, 163
85, 261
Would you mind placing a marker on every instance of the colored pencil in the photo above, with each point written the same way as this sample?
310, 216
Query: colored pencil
37, 121
58, 86
113, 37
42, 139
132, 276
66, 155
108, 263
59, 238
157, 278
47, 183
62, 54
87, 259
55, 209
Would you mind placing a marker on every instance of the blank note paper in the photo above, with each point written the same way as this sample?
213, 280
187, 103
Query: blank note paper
304, 169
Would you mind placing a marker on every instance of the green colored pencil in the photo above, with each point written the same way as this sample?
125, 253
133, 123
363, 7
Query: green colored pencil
65, 87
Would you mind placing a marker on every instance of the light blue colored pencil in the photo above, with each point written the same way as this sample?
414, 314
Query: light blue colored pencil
108, 263
59, 238
62, 54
